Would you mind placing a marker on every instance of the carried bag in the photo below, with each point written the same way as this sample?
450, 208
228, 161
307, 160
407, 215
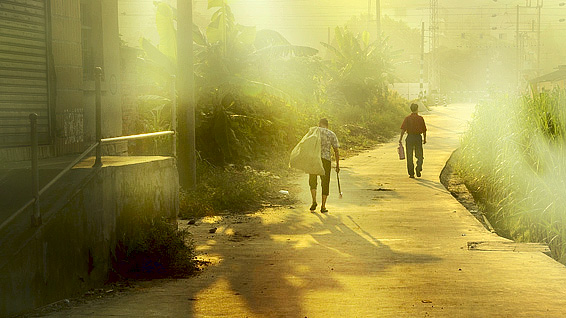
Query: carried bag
401, 151
306, 154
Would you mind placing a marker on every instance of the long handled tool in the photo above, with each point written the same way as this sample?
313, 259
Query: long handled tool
338, 179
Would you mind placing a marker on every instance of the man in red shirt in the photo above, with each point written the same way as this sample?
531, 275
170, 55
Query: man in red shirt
415, 127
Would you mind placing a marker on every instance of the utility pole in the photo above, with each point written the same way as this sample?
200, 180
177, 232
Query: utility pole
434, 75
518, 53
185, 87
378, 17
422, 60
369, 16
523, 39
539, 7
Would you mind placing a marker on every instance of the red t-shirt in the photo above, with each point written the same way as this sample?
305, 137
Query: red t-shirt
414, 124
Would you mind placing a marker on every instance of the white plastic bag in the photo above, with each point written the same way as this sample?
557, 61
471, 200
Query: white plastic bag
306, 154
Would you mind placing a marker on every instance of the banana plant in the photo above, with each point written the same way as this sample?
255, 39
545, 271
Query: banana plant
226, 72
359, 68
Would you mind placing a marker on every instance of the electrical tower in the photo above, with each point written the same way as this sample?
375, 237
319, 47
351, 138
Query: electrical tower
433, 68
528, 61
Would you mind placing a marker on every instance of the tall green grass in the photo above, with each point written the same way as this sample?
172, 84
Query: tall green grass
513, 158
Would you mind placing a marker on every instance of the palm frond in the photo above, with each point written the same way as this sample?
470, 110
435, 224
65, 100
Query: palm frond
287, 51
266, 38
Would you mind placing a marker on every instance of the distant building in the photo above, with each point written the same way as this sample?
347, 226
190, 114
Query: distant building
410, 91
47, 57
550, 81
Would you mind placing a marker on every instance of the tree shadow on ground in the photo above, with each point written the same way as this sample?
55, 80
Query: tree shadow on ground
285, 261
435, 185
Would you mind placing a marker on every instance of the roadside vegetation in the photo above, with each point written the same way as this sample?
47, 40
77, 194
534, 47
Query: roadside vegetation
153, 249
257, 94
513, 159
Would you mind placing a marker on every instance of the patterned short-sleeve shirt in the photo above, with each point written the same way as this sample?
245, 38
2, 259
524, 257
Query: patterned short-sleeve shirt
328, 139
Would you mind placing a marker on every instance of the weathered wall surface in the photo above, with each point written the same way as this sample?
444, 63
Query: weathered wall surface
66, 76
70, 42
106, 49
71, 252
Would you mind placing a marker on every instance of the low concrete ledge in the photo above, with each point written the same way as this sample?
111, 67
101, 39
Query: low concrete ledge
71, 252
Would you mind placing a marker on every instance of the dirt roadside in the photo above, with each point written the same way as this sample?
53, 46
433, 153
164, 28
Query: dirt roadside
235, 230
456, 186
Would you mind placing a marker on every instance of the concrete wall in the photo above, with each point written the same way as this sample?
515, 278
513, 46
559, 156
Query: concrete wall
66, 76
106, 32
71, 252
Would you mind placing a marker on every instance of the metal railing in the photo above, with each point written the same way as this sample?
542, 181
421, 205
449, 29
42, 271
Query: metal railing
36, 218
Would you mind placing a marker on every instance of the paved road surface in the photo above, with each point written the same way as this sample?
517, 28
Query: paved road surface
392, 247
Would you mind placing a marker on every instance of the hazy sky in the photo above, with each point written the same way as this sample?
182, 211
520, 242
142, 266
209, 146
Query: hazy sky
306, 21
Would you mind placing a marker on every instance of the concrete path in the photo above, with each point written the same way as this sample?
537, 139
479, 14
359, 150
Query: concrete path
392, 247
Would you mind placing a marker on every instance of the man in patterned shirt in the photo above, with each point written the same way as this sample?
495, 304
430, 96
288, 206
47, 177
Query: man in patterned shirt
328, 139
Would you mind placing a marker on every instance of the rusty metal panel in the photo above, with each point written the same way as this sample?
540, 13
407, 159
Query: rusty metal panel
23, 71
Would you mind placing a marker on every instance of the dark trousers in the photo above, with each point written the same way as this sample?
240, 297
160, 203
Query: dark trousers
324, 180
414, 144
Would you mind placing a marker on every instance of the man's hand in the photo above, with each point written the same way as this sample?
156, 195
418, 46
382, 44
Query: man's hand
424, 142
337, 168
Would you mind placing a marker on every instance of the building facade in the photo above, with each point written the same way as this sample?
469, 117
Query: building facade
48, 51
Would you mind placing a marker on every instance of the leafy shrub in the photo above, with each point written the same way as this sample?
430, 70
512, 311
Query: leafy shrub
156, 249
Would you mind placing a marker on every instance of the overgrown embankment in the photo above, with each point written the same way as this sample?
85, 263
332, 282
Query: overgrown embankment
256, 95
251, 181
513, 159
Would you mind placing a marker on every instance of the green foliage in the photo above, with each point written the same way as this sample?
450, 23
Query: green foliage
378, 121
257, 93
165, 22
271, 44
155, 249
154, 114
403, 42
232, 90
545, 113
512, 158
230, 189
360, 70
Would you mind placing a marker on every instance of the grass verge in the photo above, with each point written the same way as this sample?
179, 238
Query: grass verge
512, 160
234, 189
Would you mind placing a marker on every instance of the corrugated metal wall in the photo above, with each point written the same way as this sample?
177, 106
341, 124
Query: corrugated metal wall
23, 70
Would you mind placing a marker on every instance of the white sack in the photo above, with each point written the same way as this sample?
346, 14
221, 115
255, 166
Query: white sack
306, 154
